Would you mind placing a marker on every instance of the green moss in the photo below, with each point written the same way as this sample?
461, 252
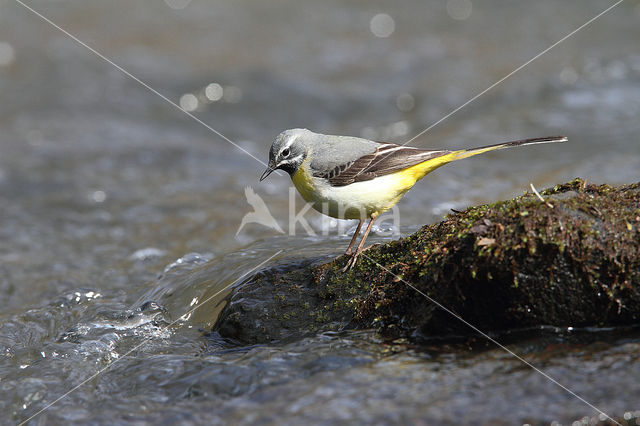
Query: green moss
531, 239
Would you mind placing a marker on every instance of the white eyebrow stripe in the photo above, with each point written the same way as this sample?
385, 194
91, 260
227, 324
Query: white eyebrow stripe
290, 142
291, 160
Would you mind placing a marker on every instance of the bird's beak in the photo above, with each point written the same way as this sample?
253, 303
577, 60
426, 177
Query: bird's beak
267, 172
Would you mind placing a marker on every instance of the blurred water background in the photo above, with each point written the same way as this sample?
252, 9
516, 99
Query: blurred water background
104, 185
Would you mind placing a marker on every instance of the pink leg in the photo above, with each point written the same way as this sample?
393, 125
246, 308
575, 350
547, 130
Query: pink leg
353, 239
351, 262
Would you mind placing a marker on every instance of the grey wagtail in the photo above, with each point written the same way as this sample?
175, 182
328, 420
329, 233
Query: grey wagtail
352, 178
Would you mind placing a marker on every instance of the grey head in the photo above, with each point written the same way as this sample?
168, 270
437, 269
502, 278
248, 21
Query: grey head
288, 151
326, 152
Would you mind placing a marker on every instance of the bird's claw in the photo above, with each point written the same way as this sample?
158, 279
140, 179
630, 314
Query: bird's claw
353, 258
351, 262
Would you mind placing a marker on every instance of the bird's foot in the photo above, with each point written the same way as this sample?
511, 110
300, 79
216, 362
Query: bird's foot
351, 262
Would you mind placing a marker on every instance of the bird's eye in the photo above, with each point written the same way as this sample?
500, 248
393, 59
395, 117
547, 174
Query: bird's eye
285, 152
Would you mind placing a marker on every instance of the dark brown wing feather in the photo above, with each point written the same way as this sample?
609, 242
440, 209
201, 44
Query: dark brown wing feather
386, 159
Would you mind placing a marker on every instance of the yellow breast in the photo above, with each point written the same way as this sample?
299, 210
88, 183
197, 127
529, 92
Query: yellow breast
303, 182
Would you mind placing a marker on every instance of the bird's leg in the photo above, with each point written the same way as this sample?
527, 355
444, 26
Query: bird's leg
352, 261
353, 239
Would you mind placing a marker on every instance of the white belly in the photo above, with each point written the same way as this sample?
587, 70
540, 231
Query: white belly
359, 200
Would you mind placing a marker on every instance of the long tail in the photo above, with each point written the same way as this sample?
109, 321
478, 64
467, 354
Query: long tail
420, 170
466, 153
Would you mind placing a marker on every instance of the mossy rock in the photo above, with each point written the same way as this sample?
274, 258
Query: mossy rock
572, 260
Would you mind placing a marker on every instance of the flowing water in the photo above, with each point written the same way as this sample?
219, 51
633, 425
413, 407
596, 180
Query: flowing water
119, 213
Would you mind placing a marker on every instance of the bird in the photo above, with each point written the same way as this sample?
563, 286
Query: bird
347, 177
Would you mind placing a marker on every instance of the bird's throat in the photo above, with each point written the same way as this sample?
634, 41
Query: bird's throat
303, 182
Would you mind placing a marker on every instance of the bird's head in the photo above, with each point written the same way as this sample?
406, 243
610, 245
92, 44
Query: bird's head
288, 151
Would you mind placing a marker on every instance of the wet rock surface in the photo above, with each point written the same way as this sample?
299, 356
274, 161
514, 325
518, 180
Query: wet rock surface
571, 260
287, 302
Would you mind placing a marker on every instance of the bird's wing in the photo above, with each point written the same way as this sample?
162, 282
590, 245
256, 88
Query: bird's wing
387, 158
